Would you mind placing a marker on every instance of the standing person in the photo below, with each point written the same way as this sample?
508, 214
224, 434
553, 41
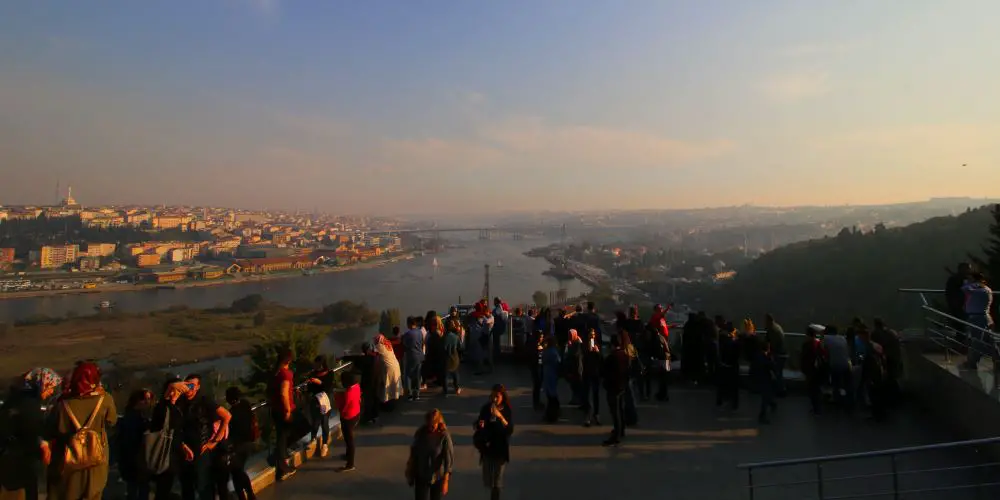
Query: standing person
616, 375
434, 347
243, 432
130, 439
501, 320
492, 432
388, 383
762, 375
658, 366
349, 407
551, 364
413, 358
536, 364
21, 428
428, 469
813, 362
978, 300
955, 297
83, 404
366, 365
282, 404
573, 367
202, 435
779, 356
167, 416
592, 321
838, 354
692, 359
591, 392
320, 387
450, 352
727, 370
890, 342
873, 375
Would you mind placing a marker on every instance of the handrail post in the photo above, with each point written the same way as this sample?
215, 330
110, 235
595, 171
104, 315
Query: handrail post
750, 481
895, 478
819, 480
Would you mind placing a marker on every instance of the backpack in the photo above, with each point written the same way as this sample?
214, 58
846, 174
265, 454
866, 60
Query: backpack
86, 448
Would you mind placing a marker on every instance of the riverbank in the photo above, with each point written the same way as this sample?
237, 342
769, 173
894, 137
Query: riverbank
227, 280
177, 336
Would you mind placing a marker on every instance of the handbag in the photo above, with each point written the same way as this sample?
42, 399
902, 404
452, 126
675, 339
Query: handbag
157, 447
323, 401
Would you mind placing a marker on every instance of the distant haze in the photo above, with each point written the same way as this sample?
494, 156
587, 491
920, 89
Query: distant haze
475, 106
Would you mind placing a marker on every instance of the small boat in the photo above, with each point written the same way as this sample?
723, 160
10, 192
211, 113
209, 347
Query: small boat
435, 263
104, 305
499, 263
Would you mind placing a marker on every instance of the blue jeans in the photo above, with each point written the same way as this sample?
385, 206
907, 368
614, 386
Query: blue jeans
411, 377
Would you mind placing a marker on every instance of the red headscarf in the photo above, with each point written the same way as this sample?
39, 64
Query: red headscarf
85, 380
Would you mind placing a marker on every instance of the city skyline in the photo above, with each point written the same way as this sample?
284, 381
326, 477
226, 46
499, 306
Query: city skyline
399, 108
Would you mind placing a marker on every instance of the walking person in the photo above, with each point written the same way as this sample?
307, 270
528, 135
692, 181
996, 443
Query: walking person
551, 366
591, 393
243, 432
84, 405
282, 404
320, 387
428, 469
492, 432
779, 356
21, 428
616, 375
129, 439
451, 354
413, 358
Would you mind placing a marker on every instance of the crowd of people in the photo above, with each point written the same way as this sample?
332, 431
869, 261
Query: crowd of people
181, 435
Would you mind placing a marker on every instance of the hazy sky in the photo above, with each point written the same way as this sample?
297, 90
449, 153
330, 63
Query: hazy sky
454, 105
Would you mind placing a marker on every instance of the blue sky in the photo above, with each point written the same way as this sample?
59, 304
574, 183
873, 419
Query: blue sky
476, 106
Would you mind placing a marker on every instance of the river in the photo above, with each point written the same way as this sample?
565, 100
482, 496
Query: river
413, 286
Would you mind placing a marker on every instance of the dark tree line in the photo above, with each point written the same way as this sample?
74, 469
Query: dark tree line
856, 273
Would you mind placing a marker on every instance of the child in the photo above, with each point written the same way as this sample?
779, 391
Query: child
349, 406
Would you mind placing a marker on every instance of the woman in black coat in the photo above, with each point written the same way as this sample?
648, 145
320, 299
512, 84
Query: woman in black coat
493, 429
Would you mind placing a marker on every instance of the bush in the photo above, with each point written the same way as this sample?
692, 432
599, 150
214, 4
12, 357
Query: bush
250, 303
387, 320
345, 312
264, 355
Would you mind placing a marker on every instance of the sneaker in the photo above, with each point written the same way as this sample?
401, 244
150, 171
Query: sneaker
324, 450
347, 468
458, 391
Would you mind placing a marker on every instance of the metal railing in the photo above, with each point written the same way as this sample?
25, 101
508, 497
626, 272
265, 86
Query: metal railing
955, 335
890, 484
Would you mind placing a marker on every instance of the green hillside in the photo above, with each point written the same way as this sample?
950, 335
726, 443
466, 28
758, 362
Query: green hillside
853, 274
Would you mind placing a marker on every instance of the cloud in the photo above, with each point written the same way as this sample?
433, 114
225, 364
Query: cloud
533, 143
797, 86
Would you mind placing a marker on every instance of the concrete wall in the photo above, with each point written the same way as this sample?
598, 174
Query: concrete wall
962, 407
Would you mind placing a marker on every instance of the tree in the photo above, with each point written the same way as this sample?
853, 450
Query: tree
345, 312
259, 319
989, 264
540, 298
248, 304
264, 354
387, 320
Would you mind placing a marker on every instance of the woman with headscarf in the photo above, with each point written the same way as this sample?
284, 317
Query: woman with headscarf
83, 400
23, 448
492, 432
388, 380
551, 364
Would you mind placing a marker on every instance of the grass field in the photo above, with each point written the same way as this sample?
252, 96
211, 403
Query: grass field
177, 335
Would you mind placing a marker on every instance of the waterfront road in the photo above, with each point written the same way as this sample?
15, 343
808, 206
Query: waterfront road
684, 449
